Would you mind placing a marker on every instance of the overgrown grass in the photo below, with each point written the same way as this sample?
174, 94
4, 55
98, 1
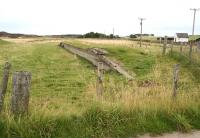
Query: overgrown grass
100, 121
63, 94
193, 68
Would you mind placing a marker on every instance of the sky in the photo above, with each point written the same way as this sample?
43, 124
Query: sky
47, 17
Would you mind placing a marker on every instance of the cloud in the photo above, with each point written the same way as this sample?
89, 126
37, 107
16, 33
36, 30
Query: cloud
81, 16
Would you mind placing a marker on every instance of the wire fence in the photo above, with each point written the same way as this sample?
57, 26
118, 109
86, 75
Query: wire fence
186, 52
73, 82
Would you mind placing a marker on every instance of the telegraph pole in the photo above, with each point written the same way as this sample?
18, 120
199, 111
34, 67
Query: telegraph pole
195, 10
113, 32
141, 20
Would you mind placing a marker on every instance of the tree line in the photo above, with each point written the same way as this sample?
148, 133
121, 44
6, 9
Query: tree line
99, 35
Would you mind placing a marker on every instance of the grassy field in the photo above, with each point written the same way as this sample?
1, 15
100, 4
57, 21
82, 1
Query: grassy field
194, 37
63, 100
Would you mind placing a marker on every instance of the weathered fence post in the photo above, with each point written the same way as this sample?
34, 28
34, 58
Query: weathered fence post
198, 46
99, 79
164, 46
190, 53
20, 93
172, 45
196, 50
181, 48
4, 83
175, 79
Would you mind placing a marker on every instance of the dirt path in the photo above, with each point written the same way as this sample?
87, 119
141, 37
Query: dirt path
195, 134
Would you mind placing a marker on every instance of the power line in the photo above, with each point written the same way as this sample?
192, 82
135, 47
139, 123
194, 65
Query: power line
141, 20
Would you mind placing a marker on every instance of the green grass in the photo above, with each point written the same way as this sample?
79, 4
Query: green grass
3, 42
63, 100
99, 121
56, 74
193, 37
193, 68
133, 60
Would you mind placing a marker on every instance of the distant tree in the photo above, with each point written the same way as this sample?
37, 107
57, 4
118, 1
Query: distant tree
116, 36
111, 36
99, 35
94, 35
133, 36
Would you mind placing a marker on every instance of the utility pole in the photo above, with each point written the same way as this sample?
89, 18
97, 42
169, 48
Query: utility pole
190, 52
113, 32
195, 10
141, 20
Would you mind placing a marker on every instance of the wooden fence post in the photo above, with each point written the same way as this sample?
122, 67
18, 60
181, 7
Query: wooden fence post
4, 83
190, 53
196, 50
181, 48
99, 79
198, 47
20, 93
172, 45
164, 46
175, 79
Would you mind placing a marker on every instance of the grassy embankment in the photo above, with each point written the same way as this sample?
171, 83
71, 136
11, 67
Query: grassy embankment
63, 101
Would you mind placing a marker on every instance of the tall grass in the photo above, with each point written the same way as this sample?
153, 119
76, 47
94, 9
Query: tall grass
63, 94
4, 42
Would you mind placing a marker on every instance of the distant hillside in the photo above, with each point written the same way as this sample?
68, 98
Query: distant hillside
16, 35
